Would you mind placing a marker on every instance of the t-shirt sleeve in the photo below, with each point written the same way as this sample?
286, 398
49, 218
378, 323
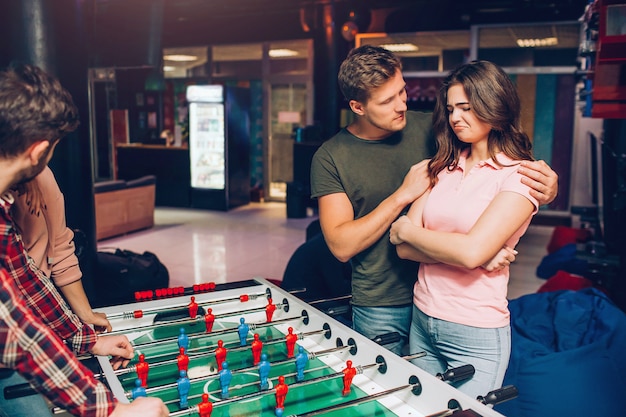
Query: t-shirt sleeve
513, 182
324, 175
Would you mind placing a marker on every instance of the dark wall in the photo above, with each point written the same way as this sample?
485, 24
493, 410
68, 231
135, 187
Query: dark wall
123, 31
141, 104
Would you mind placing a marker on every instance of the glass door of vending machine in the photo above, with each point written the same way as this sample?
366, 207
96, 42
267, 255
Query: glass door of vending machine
219, 136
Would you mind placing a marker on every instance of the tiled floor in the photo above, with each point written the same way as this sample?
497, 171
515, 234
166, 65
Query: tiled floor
258, 239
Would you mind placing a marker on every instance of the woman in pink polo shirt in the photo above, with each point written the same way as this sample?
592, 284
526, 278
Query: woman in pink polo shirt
477, 206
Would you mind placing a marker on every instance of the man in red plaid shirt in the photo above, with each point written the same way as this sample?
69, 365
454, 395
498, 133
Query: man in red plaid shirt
38, 331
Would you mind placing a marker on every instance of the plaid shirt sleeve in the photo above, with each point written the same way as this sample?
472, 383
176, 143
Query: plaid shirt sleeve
38, 290
34, 351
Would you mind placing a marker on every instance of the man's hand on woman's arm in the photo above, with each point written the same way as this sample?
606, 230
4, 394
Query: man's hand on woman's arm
542, 180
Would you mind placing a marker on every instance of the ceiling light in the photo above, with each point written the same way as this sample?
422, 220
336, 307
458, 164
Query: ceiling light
400, 47
180, 58
168, 68
532, 43
279, 53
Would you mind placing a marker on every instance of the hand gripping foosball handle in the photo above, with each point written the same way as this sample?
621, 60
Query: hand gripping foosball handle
499, 395
458, 374
387, 338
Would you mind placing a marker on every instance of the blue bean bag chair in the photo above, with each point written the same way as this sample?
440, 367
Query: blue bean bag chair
563, 259
568, 355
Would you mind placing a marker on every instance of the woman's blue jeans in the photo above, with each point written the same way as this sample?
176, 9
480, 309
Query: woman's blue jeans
450, 345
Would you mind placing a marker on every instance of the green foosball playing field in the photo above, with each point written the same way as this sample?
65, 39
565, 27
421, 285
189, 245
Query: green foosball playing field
301, 398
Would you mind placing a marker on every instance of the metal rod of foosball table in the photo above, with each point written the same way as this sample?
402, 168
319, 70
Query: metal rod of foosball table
188, 320
174, 307
252, 327
295, 291
300, 336
357, 401
445, 413
414, 356
493, 397
326, 300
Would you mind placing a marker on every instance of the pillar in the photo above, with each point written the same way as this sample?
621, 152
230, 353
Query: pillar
53, 34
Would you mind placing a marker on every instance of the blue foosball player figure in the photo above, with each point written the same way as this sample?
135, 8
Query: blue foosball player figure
302, 358
264, 371
138, 391
183, 384
243, 330
225, 377
183, 339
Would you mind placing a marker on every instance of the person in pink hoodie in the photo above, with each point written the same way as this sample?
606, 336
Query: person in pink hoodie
39, 215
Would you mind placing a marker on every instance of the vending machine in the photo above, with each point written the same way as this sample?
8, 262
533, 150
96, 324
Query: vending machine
219, 146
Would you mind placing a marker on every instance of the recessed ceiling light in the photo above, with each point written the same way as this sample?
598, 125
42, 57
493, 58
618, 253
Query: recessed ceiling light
532, 43
400, 47
279, 53
180, 58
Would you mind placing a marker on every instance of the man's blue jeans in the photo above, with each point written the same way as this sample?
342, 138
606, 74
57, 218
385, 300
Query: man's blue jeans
376, 321
30, 406
449, 345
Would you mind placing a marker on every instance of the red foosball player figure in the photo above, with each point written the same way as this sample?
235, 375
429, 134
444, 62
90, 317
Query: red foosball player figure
291, 342
269, 310
193, 308
205, 408
183, 360
220, 354
281, 393
209, 319
142, 368
348, 374
257, 347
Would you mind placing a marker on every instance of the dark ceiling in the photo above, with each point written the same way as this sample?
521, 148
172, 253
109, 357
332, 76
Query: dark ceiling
186, 20
468, 10
398, 15
126, 26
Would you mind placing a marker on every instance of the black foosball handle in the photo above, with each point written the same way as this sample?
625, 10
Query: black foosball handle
337, 310
387, 338
458, 374
18, 391
499, 395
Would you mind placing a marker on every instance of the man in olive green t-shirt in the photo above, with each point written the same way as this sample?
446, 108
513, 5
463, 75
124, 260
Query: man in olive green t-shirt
367, 175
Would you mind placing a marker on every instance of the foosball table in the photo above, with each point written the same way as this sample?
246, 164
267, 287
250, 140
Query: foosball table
257, 350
